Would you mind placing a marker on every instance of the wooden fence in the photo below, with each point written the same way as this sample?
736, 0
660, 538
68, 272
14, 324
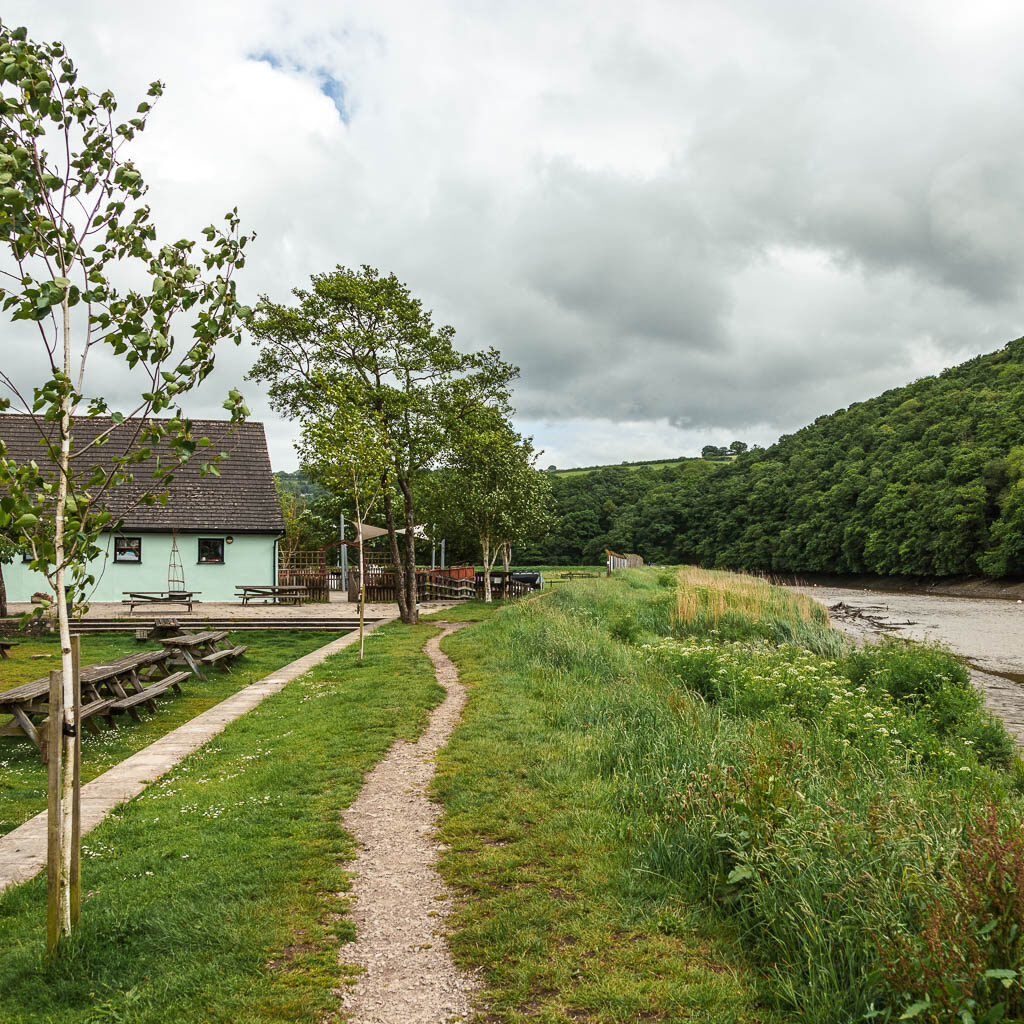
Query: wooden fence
314, 579
461, 584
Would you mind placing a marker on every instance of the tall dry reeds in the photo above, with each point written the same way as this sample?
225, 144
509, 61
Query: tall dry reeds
709, 594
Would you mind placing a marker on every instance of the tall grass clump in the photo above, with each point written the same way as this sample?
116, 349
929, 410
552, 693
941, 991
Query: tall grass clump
855, 813
734, 606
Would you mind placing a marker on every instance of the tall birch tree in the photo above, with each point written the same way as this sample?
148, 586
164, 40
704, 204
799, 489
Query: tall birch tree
491, 489
84, 270
349, 453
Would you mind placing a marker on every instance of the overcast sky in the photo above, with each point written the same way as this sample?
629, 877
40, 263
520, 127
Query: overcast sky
688, 222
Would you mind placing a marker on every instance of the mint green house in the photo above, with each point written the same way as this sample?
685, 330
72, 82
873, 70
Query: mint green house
226, 528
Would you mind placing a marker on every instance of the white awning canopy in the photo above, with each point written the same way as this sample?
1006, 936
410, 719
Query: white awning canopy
365, 531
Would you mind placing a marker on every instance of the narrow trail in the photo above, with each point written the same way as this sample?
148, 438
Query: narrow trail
400, 902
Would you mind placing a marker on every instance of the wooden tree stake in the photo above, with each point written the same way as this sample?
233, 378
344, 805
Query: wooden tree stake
76, 786
54, 743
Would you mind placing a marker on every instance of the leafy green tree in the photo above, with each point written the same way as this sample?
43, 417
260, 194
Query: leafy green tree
74, 224
351, 451
492, 489
362, 339
923, 480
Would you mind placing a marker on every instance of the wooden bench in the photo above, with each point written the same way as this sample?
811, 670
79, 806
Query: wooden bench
134, 597
281, 594
146, 695
5, 646
198, 650
106, 688
228, 652
95, 707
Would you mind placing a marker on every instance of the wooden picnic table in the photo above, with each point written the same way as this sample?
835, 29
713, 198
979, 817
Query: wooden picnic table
279, 594
107, 689
5, 646
134, 597
199, 649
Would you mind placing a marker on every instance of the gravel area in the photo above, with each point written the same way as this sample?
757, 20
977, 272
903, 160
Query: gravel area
337, 607
988, 633
400, 902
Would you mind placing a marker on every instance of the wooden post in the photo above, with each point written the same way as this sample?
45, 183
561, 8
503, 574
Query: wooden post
76, 790
54, 743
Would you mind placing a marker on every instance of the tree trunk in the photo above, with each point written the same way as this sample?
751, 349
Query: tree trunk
362, 579
3, 594
411, 590
506, 559
486, 544
396, 557
67, 709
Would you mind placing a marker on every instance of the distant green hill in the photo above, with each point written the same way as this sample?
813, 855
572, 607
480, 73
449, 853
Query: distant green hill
924, 480
595, 509
650, 464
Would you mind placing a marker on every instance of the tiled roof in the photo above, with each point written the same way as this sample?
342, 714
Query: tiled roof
242, 499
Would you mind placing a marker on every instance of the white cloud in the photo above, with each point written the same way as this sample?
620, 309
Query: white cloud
729, 216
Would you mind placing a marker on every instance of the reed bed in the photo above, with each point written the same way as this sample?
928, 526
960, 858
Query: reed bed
734, 606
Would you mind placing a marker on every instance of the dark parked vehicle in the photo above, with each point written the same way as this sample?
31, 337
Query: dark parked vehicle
535, 579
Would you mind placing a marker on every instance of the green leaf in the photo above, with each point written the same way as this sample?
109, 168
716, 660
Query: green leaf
1003, 975
740, 873
916, 1009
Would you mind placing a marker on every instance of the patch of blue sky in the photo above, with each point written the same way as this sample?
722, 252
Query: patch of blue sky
333, 88
266, 57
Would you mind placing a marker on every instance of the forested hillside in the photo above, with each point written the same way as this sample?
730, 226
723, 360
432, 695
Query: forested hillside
599, 508
923, 480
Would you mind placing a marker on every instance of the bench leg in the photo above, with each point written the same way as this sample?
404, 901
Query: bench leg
26, 726
191, 662
121, 692
92, 726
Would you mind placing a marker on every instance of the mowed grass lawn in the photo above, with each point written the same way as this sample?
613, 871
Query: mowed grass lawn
217, 896
22, 774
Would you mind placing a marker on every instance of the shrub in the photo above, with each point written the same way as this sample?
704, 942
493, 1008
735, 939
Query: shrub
966, 959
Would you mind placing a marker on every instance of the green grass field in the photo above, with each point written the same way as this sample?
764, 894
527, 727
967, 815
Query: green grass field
218, 895
674, 796
23, 775
624, 465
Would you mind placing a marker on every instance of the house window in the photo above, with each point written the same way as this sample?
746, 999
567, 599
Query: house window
128, 549
211, 550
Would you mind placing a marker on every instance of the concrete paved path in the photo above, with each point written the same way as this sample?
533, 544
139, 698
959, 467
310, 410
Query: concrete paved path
23, 851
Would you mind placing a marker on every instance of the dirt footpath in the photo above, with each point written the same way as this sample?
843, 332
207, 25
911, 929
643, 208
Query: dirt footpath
400, 900
988, 633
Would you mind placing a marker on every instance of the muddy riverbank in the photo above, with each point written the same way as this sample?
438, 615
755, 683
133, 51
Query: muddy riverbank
988, 633
1005, 590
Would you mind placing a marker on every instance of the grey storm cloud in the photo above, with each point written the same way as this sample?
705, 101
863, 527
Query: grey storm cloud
681, 221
